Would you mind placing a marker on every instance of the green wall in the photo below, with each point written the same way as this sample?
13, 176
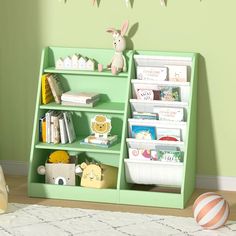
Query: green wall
203, 26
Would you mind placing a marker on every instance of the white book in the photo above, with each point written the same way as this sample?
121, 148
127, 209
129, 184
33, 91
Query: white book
63, 133
48, 126
54, 124
69, 126
81, 97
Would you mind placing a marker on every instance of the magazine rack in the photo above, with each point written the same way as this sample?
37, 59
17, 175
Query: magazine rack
116, 103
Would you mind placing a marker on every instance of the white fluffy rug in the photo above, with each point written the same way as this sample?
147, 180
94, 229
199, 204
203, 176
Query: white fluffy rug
37, 220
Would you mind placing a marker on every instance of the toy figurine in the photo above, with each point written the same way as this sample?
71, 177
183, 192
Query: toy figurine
3, 193
118, 62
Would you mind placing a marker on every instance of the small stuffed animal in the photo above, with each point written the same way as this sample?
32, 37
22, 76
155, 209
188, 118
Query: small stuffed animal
3, 193
118, 62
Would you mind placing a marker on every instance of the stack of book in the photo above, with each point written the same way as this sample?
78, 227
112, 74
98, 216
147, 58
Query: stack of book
101, 142
71, 98
56, 127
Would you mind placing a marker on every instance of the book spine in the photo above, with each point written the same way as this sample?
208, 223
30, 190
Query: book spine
63, 133
44, 130
48, 126
46, 91
69, 126
56, 130
52, 84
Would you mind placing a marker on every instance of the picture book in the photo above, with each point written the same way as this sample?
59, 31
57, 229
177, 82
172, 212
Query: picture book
169, 113
170, 156
170, 94
103, 142
143, 132
80, 97
46, 93
177, 73
152, 73
144, 115
56, 87
142, 154
148, 94
69, 126
168, 134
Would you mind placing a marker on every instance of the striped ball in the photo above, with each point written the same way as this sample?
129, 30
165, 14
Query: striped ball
211, 210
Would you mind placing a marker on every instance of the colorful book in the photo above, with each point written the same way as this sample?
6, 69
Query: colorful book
56, 87
46, 93
102, 142
168, 134
79, 97
142, 154
148, 94
170, 156
143, 132
170, 94
144, 115
69, 126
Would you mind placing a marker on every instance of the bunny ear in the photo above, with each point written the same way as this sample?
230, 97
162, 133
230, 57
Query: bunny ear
124, 27
111, 30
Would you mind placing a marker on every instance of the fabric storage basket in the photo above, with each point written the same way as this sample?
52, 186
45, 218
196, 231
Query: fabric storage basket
153, 172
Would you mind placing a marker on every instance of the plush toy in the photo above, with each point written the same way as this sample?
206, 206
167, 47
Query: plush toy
59, 157
98, 175
60, 173
118, 62
211, 210
3, 193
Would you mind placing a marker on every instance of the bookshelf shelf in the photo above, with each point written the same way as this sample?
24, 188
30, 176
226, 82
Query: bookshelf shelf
104, 73
117, 102
101, 107
76, 146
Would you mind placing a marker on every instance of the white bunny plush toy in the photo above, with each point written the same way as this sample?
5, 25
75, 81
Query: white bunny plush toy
118, 62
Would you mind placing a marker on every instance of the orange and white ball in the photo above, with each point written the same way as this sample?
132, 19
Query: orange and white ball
211, 210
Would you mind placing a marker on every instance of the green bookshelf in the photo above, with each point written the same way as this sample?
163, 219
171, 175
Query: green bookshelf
116, 103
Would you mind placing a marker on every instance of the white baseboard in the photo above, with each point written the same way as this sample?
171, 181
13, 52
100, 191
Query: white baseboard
11, 167
202, 181
226, 183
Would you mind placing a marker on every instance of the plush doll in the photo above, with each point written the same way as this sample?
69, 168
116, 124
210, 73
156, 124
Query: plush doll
118, 62
3, 193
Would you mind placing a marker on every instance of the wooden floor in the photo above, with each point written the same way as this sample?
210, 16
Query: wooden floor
18, 194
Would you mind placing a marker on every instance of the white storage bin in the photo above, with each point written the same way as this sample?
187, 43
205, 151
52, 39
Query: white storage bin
153, 172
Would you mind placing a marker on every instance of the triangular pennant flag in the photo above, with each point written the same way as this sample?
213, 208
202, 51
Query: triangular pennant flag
127, 2
163, 2
94, 1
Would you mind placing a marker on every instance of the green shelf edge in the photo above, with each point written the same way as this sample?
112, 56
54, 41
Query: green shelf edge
104, 107
104, 73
